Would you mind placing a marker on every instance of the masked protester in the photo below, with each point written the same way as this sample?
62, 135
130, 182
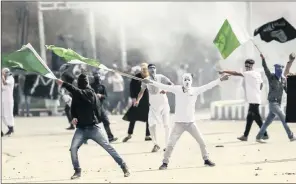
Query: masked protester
277, 84
159, 109
186, 97
7, 100
101, 93
253, 85
86, 114
139, 112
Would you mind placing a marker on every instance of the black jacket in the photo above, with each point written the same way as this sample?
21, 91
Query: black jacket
101, 89
85, 106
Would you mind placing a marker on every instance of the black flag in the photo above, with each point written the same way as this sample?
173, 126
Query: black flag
279, 30
291, 99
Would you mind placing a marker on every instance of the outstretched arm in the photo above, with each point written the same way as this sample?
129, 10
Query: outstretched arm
234, 73
202, 89
168, 88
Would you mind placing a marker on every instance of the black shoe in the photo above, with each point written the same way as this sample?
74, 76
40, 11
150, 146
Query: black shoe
10, 131
76, 175
155, 148
127, 138
266, 137
125, 171
242, 138
164, 166
2, 134
71, 127
209, 163
113, 139
147, 138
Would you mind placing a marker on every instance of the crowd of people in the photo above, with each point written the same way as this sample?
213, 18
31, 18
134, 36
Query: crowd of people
85, 98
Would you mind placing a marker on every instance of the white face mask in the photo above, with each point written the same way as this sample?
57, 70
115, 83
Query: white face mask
187, 80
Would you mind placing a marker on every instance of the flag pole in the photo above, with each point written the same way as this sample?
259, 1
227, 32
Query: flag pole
256, 46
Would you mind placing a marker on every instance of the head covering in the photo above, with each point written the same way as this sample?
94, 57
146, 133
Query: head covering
187, 80
278, 70
82, 81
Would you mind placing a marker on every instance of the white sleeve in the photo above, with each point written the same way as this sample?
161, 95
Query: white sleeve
202, 89
165, 80
143, 85
9, 82
168, 88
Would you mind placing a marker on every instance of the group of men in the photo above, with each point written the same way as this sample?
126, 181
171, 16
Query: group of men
253, 83
150, 105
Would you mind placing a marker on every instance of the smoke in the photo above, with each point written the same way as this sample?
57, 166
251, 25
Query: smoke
179, 32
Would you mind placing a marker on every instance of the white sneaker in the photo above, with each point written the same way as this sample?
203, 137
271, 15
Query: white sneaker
260, 141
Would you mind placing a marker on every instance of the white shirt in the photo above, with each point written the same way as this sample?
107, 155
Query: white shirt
67, 99
156, 99
7, 90
185, 102
253, 80
117, 82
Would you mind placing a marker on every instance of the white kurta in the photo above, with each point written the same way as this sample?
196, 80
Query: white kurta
7, 102
159, 109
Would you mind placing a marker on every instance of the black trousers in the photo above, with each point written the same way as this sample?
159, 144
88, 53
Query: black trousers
106, 123
68, 113
132, 126
253, 114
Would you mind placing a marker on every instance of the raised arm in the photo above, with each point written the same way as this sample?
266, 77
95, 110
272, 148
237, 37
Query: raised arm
202, 89
234, 73
289, 64
265, 67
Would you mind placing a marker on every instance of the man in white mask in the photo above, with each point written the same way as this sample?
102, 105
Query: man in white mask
7, 100
186, 96
159, 109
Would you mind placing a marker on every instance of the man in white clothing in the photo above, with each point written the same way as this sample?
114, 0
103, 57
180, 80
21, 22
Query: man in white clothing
159, 109
118, 90
185, 96
7, 101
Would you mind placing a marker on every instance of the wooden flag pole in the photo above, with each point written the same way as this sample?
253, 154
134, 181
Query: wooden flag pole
256, 46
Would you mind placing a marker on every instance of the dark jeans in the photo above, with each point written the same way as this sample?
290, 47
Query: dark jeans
94, 133
253, 114
132, 126
106, 123
68, 113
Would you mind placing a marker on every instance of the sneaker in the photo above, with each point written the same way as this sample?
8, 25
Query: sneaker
76, 175
126, 171
71, 127
10, 131
209, 163
266, 137
147, 138
155, 148
260, 141
164, 166
243, 138
293, 139
113, 139
127, 138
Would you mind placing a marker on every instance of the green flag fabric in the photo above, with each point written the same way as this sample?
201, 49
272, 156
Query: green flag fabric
27, 59
74, 58
228, 39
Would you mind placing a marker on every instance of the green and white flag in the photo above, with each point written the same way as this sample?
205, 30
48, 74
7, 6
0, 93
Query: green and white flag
230, 37
27, 59
72, 57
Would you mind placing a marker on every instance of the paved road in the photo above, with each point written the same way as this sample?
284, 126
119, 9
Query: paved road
39, 152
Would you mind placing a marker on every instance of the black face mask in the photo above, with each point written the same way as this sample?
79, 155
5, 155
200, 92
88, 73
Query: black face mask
97, 79
82, 81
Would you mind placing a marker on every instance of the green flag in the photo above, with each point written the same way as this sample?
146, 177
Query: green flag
74, 58
229, 38
27, 59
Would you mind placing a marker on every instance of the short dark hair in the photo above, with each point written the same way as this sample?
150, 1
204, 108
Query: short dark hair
150, 65
250, 61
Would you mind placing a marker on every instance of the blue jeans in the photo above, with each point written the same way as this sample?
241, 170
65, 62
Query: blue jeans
94, 133
274, 110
